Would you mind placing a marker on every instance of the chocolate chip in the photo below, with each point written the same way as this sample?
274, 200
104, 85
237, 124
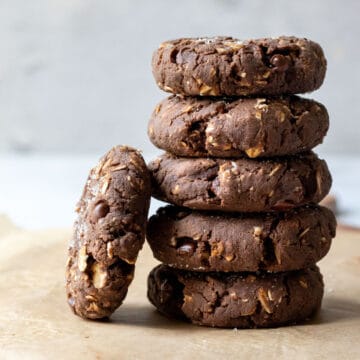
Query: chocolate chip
280, 62
101, 209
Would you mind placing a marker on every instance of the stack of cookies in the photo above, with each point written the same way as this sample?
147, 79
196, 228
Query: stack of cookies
240, 243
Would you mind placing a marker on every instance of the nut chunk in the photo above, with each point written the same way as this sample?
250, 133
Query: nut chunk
108, 233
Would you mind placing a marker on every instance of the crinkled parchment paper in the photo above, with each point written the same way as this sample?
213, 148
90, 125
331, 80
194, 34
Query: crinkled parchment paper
35, 321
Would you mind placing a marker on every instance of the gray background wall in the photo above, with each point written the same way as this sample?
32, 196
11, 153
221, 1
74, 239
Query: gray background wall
75, 75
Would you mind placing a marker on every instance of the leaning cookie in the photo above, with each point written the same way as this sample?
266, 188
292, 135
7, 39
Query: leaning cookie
241, 185
108, 233
240, 300
188, 126
208, 241
223, 66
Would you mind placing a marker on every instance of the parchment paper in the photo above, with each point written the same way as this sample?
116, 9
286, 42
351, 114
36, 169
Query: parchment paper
35, 321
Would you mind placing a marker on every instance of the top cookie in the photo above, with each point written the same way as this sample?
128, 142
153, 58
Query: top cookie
223, 66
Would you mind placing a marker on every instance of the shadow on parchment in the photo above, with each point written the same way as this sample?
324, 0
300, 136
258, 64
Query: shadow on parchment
333, 310
146, 316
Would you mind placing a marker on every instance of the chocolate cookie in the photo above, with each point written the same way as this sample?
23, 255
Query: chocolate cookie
223, 66
108, 233
240, 300
188, 126
244, 185
277, 241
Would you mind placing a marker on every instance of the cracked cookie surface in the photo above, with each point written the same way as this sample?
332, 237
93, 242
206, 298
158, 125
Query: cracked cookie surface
201, 241
241, 300
223, 66
240, 185
250, 127
108, 233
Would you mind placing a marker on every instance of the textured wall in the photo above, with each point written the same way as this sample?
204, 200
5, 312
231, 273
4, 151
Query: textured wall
75, 75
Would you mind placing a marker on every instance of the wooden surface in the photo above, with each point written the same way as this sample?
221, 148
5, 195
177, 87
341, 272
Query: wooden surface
35, 321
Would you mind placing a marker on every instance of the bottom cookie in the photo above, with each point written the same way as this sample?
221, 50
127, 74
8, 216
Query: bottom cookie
236, 300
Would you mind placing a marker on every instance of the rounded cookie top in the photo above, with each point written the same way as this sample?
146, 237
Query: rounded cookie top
240, 185
277, 241
241, 300
108, 233
224, 66
228, 127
